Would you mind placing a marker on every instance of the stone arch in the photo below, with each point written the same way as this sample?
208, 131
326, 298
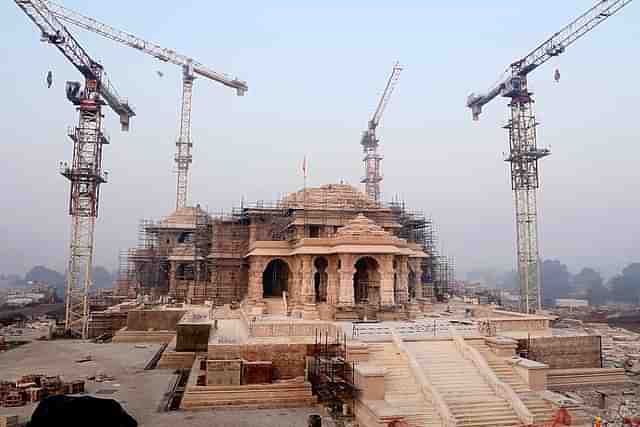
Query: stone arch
320, 278
366, 280
275, 278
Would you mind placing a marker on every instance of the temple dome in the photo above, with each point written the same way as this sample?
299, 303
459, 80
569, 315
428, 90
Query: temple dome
185, 217
330, 196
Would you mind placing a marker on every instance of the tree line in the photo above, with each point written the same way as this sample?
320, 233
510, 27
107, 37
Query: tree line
102, 278
558, 282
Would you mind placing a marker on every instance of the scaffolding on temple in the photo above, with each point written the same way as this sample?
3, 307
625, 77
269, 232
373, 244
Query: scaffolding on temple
197, 290
196, 256
229, 237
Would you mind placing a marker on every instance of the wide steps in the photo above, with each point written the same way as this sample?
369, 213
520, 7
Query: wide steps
469, 397
248, 403
490, 422
258, 396
540, 408
401, 390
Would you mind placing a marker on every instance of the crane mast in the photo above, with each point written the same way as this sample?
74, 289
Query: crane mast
85, 171
369, 141
524, 152
190, 69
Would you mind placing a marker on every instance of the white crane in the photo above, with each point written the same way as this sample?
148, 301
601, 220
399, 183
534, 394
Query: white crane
523, 150
190, 69
369, 141
85, 171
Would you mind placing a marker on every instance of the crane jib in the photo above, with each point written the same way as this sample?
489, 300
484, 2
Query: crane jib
550, 48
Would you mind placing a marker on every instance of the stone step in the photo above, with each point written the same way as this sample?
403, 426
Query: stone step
465, 391
494, 402
188, 403
483, 416
483, 411
491, 423
401, 389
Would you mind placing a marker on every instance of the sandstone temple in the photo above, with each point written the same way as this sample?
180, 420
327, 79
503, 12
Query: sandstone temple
330, 251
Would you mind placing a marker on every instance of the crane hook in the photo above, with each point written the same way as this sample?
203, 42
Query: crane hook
49, 79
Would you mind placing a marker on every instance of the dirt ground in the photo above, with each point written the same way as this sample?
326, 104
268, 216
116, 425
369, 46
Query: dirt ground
141, 392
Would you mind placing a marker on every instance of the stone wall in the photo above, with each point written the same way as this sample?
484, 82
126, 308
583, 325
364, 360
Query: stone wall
566, 352
106, 322
293, 329
224, 372
288, 360
158, 320
193, 336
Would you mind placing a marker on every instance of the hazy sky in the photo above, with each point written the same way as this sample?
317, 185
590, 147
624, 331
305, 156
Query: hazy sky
314, 75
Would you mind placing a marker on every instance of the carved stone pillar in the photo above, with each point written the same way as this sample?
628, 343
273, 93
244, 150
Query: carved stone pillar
306, 282
402, 272
293, 281
256, 268
332, 281
345, 280
386, 280
414, 263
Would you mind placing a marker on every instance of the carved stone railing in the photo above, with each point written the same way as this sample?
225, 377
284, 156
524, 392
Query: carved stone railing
427, 388
500, 388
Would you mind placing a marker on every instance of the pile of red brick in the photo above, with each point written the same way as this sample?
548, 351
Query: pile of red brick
33, 388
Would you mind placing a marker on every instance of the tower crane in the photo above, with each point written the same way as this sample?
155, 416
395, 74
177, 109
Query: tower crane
369, 141
524, 152
85, 171
190, 68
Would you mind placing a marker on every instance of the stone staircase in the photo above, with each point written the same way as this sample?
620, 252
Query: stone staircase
285, 394
469, 397
176, 360
540, 408
401, 390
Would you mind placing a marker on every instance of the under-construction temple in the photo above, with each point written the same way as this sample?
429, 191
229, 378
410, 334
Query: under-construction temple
331, 250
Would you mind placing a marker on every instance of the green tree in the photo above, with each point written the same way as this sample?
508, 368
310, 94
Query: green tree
102, 278
555, 280
508, 280
591, 281
625, 287
46, 275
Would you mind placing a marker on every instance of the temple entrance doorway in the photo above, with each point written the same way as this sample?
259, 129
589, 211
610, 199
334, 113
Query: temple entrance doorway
366, 281
320, 279
275, 279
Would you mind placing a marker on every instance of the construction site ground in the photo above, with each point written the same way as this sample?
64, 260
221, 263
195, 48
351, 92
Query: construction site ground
141, 392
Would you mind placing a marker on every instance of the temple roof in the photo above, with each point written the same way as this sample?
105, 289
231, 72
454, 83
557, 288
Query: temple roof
184, 217
330, 196
361, 226
360, 235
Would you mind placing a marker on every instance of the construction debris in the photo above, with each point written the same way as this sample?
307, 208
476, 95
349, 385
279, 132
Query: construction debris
35, 387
